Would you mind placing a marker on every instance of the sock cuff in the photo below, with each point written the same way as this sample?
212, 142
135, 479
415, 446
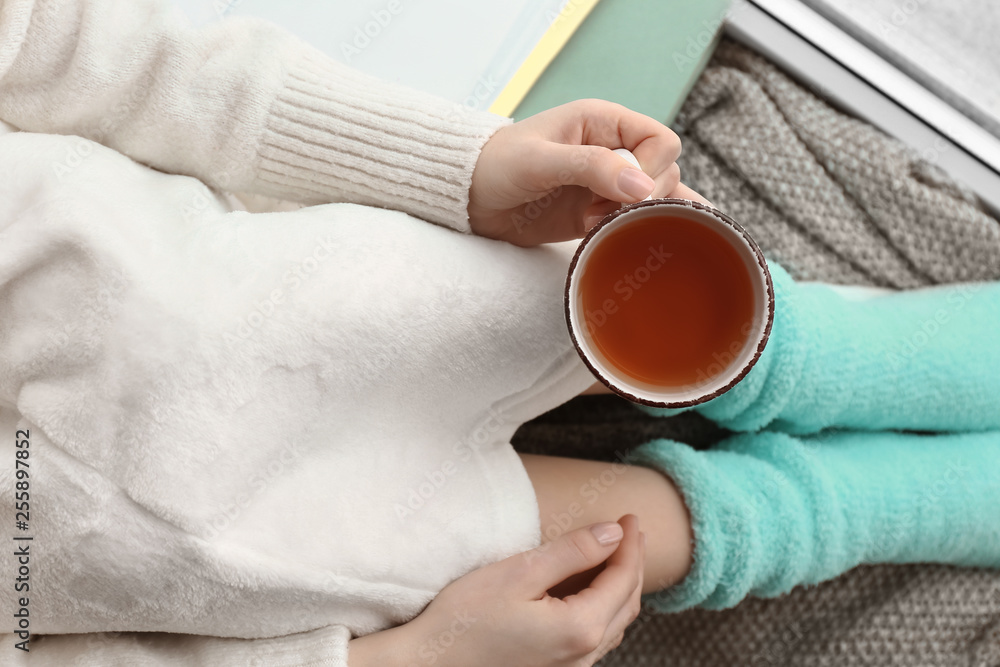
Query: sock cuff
691, 474
761, 396
765, 517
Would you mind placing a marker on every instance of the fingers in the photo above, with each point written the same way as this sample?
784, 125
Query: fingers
582, 134
597, 212
667, 182
574, 552
658, 151
600, 170
604, 126
576, 150
654, 145
571, 145
604, 123
616, 584
633, 605
615, 633
562, 227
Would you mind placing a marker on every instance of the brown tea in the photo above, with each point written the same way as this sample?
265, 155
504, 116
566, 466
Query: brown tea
667, 300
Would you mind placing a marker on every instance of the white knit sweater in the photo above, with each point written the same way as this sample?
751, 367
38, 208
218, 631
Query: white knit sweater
267, 432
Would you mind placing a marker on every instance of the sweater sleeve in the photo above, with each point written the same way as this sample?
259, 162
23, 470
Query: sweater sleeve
240, 104
323, 647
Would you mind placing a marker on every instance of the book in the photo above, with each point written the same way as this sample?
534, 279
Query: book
483, 55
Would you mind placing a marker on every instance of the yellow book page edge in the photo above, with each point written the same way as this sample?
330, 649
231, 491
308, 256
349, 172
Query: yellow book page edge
551, 43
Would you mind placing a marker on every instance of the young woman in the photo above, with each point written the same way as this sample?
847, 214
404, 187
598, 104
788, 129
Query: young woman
281, 435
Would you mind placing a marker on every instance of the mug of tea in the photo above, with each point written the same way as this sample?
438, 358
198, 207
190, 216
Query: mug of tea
669, 302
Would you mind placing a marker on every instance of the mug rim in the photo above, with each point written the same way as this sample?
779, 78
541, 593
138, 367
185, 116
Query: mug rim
701, 208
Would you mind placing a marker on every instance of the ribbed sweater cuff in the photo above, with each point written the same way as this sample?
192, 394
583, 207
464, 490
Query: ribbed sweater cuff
336, 134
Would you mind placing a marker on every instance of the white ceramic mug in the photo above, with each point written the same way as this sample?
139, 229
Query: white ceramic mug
739, 364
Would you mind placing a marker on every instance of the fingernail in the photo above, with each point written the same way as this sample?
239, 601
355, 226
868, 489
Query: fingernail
607, 533
634, 183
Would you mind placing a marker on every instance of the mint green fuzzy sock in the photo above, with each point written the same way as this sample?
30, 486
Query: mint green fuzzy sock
926, 359
771, 511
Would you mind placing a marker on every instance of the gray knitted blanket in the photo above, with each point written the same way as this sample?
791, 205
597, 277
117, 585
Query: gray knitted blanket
832, 199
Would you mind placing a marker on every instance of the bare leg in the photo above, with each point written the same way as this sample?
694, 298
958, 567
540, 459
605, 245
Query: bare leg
574, 492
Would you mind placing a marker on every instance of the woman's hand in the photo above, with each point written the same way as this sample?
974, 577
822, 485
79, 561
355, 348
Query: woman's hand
553, 176
503, 614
